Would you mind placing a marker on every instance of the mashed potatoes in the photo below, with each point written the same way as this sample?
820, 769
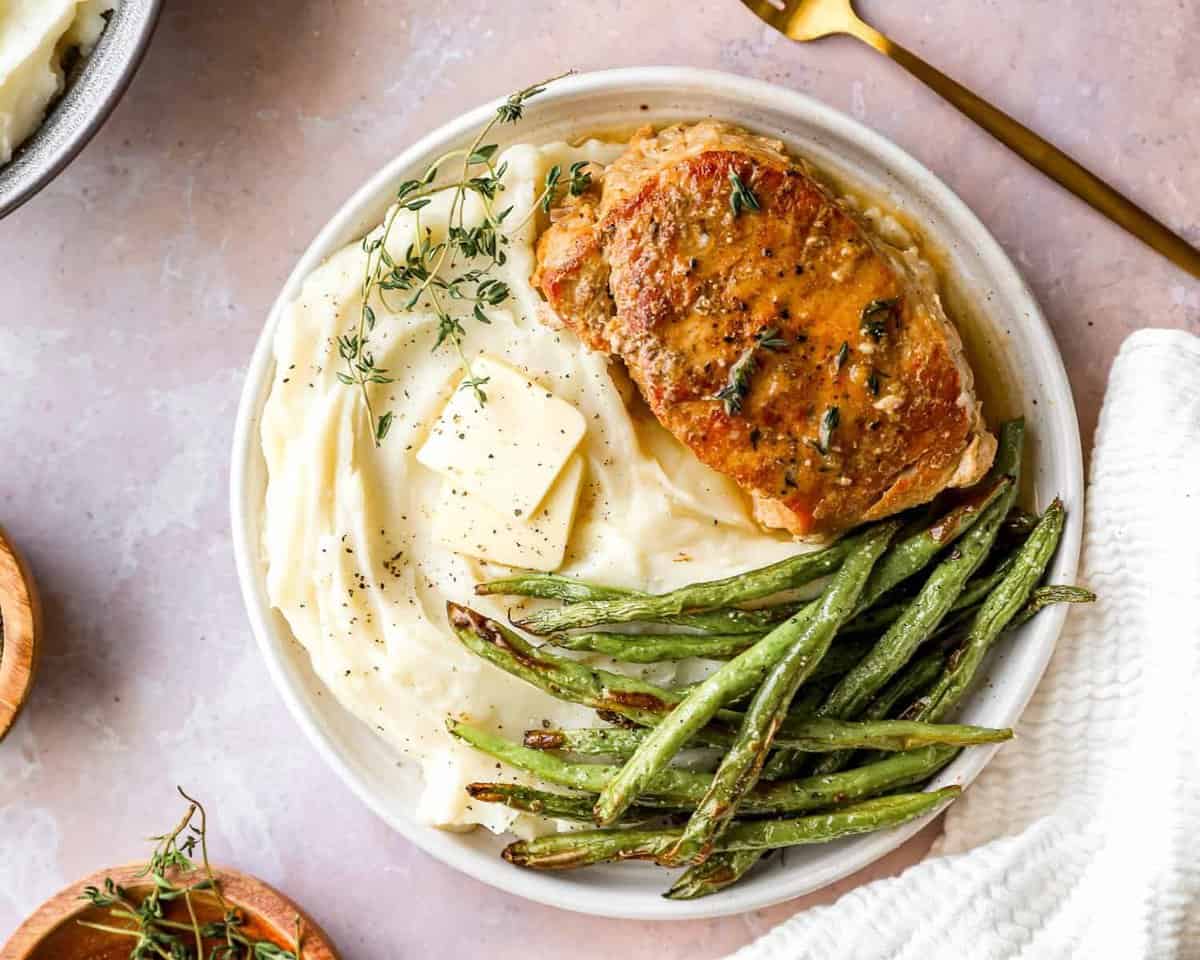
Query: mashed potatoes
352, 561
34, 35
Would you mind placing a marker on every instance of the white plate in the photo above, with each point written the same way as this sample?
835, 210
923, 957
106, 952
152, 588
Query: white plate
1008, 316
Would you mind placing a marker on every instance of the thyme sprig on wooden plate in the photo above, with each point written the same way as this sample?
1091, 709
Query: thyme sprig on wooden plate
426, 272
157, 936
738, 385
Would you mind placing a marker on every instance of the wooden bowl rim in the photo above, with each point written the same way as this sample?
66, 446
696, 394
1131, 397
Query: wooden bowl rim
242, 889
21, 610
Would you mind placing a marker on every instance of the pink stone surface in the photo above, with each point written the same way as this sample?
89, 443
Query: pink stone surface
132, 291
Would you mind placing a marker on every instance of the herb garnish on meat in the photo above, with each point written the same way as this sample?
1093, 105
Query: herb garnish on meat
738, 386
875, 316
741, 197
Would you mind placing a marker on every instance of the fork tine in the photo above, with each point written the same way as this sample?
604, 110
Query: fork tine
774, 14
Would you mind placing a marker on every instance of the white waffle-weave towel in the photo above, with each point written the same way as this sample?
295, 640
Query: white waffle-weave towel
1082, 838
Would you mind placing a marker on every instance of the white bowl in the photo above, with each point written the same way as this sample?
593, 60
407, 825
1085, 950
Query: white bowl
1009, 318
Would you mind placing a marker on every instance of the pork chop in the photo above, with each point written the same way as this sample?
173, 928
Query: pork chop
768, 329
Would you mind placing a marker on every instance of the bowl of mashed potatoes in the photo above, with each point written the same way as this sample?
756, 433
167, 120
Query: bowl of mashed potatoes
63, 66
345, 545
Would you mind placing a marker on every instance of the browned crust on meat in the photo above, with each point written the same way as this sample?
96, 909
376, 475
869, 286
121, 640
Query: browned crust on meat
693, 287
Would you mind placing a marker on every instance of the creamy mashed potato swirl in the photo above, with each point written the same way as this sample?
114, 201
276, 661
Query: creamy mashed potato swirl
348, 543
34, 35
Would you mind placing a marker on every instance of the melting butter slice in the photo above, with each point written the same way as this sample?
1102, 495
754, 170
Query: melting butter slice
508, 452
467, 524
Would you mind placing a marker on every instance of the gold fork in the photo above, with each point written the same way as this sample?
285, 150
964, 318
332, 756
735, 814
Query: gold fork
813, 19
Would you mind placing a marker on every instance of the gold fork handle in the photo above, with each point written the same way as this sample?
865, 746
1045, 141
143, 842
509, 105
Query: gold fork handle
1042, 154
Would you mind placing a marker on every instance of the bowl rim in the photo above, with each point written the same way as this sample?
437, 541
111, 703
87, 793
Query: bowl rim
541, 887
48, 161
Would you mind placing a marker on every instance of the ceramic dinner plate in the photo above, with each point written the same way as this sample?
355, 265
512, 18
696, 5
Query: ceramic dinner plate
1008, 338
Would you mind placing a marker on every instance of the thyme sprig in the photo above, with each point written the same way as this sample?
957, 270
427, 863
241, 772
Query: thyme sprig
426, 272
741, 197
875, 316
737, 387
156, 936
829, 423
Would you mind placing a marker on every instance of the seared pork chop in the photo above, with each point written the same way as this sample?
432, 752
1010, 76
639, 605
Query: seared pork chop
767, 329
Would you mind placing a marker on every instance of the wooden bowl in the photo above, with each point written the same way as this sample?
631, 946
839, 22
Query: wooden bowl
20, 630
52, 932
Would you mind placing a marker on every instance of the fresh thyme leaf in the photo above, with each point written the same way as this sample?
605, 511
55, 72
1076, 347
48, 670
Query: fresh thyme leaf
484, 154
843, 355
476, 385
425, 274
873, 383
578, 181
875, 316
738, 386
770, 339
552, 178
829, 422
741, 197
384, 425
735, 390
449, 328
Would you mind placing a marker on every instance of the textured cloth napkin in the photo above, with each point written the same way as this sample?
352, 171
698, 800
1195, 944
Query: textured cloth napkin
1082, 837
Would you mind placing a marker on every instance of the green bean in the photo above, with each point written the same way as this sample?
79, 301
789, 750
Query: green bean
552, 586
995, 614
557, 806
909, 684
1043, 597
924, 670
809, 736
742, 764
676, 789
926, 611
660, 647
919, 620
645, 648
905, 688
730, 620
655, 648
744, 672
565, 679
741, 588
905, 559
723, 869
611, 694
880, 618
589, 741
584, 848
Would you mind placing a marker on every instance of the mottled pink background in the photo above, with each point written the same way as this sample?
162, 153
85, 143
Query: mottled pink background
133, 288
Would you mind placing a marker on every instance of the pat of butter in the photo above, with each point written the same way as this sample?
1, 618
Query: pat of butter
467, 524
508, 452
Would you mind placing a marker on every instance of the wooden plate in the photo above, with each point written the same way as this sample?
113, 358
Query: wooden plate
52, 933
20, 630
